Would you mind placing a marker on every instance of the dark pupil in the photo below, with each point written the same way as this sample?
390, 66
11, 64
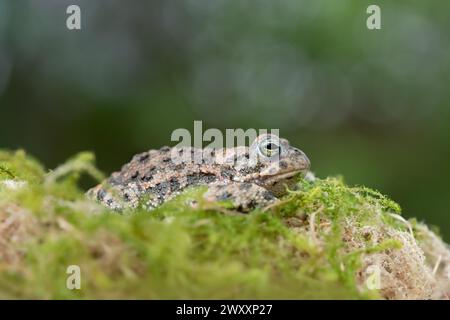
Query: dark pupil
271, 146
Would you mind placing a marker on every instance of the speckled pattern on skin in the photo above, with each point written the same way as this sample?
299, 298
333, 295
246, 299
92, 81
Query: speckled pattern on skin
248, 177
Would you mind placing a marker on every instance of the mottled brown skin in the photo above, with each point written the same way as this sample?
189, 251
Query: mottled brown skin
248, 177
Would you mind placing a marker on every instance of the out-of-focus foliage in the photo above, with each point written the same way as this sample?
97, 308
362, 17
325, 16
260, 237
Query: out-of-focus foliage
373, 106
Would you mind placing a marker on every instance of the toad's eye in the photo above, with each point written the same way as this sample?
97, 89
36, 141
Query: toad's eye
269, 147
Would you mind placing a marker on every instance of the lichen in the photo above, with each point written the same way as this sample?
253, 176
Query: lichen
324, 240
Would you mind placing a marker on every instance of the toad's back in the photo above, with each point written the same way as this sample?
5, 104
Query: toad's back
155, 174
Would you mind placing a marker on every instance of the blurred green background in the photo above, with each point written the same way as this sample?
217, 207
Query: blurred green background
373, 106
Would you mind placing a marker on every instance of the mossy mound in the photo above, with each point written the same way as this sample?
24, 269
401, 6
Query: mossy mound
326, 241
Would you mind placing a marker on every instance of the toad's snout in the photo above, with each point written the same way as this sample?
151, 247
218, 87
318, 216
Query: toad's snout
303, 161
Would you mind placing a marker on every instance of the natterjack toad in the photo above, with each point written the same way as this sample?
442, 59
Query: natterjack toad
248, 177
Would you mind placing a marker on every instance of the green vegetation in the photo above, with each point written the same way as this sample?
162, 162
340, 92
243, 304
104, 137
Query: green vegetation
317, 242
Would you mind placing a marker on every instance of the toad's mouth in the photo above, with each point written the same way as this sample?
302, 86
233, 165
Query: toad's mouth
272, 179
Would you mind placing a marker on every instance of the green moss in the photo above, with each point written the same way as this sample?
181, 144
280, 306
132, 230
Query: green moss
178, 251
19, 165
